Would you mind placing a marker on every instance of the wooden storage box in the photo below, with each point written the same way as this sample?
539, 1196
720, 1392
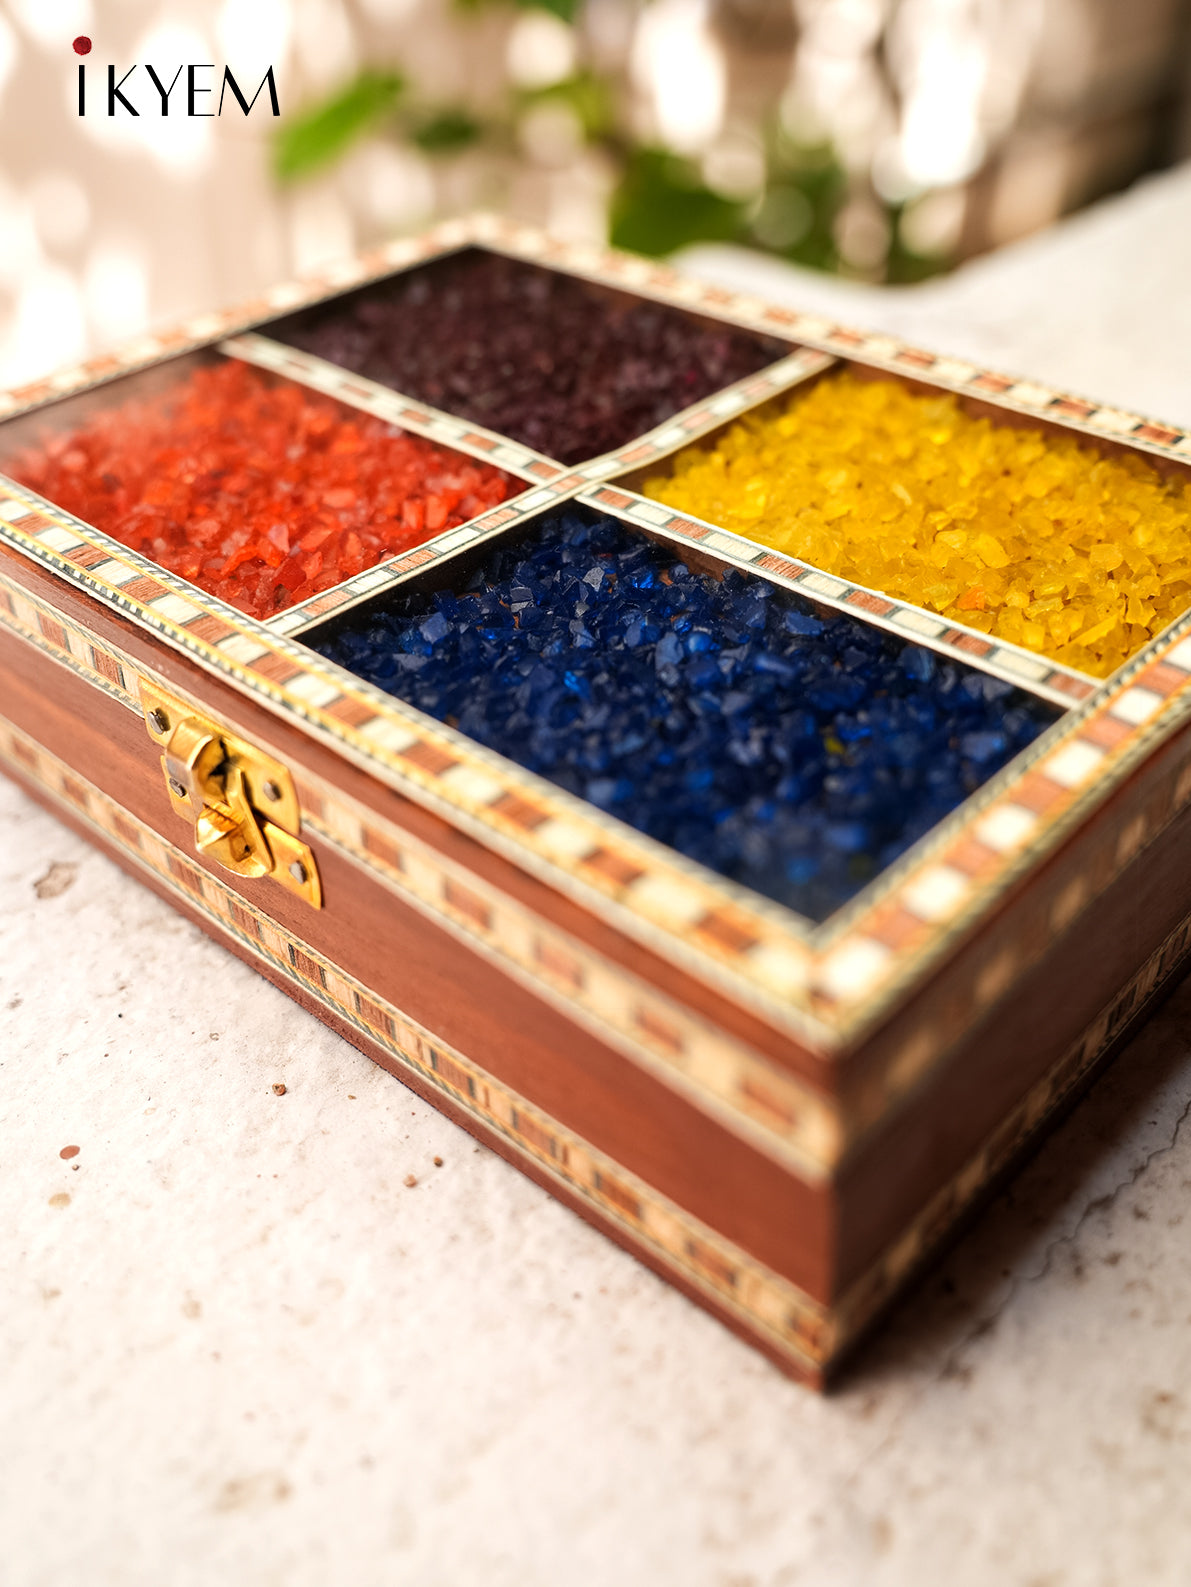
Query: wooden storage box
783, 1117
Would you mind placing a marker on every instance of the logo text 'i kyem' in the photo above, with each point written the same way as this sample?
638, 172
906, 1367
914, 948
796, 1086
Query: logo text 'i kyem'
194, 98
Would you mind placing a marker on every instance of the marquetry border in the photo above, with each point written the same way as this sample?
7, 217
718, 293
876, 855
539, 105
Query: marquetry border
610, 267
551, 488
952, 1202
1061, 685
802, 1331
357, 391
784, 1316
778, 1113
205, 329
826, 985
650, 278
680, 909
708, 414
385, 575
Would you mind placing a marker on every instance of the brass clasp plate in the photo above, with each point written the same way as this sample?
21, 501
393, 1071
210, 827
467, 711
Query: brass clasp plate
241, 802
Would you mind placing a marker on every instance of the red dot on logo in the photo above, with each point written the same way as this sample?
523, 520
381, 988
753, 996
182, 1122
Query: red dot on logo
82, 45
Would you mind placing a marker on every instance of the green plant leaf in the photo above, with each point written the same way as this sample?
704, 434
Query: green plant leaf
661, 205
447, 130
905, 265
566, 10
589, 96
805, 191
322, 134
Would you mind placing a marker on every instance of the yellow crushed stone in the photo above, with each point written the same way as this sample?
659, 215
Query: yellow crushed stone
1030, 537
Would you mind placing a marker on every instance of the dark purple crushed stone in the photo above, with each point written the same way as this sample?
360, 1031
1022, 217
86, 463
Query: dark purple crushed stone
796, 750
546, 359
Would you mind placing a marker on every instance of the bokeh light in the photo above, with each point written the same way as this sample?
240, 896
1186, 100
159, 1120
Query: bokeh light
883, 139
680, 70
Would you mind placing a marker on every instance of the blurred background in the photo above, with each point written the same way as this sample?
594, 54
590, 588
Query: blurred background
881, 140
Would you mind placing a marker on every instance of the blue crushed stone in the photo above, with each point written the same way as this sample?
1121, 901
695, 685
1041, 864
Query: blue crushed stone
791, 748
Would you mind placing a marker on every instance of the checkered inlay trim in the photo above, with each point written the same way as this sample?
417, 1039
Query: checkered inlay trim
359, 392
553, 487
705, 416
1028, 1119
1028, 671
820, 332
646, 277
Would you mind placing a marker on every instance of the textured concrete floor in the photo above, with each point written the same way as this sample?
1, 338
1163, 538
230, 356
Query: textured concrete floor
236, 1346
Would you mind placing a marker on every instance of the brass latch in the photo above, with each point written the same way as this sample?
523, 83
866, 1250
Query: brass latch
241, 802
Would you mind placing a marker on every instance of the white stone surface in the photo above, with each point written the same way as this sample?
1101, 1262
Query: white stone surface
245, 1351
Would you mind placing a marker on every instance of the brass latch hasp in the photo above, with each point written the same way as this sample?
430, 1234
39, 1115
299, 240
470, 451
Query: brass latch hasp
241, 802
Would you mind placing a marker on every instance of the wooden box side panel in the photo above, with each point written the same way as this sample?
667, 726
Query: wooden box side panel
1081, 987
402, 959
